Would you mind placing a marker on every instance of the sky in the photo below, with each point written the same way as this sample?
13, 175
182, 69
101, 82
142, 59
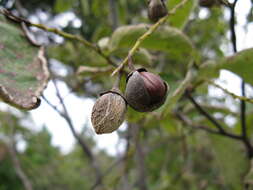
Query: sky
80, 108
80, 111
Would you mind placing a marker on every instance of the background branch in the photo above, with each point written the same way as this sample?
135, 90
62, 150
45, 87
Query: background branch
186, 121
242, 98
64, 114
140, 159
243, 102
16, 163
204, 113
63, 34
113, 13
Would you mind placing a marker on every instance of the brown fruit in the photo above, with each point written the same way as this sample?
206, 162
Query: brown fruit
145, 91
108, 113
207, 3
156, 9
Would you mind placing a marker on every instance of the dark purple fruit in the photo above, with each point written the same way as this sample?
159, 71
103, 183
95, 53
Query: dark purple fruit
207, 3
156, 9
145, 91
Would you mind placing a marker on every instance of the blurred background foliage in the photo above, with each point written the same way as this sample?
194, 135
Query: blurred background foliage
160, 153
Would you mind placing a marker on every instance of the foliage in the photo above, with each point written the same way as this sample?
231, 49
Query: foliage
24, 72
189, 143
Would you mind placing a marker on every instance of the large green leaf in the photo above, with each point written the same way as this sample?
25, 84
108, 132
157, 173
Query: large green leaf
180, 18
167, 39
63, 5
142, 57
231, 160
67, 54
239, 63
23, 68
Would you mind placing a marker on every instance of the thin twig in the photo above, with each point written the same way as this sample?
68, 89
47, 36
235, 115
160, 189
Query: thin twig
246, 140
242, 98
243, 112
204, 113
65, 35
150, 31
19, 171
126, 163
140, 159
186, 121
108, 171
232, 26
64, 114
16, 162
113, 13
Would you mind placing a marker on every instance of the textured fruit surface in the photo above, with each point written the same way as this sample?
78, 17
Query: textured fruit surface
145, 91
154, 85
108, 113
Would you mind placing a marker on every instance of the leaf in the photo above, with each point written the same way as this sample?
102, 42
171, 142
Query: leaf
231, 160
67, 54
177, 91
23, 68
167, 39
142, 56
63, 5
180, 18
239, 63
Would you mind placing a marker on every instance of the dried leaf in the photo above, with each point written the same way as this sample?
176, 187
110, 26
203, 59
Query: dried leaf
23, 68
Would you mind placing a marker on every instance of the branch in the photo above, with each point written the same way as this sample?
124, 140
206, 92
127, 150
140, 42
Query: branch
185, 120
243, 104
80, 141
128, 153
221, 131
140, 159
63, 34
113, 13
108, 171
242, 98
150, 31
243, 111
232, 26
204, 113
123, 174
16, 163
93, 70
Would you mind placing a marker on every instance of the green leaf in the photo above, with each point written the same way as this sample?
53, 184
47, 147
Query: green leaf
142, 56
231, 160
239, 63
167, 39
23, 68
180, 18
63, 5
67, 54
177, 91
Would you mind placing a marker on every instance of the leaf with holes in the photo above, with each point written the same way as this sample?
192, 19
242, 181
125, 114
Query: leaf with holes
23, 68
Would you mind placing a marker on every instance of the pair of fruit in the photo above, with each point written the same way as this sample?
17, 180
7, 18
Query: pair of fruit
144, 92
